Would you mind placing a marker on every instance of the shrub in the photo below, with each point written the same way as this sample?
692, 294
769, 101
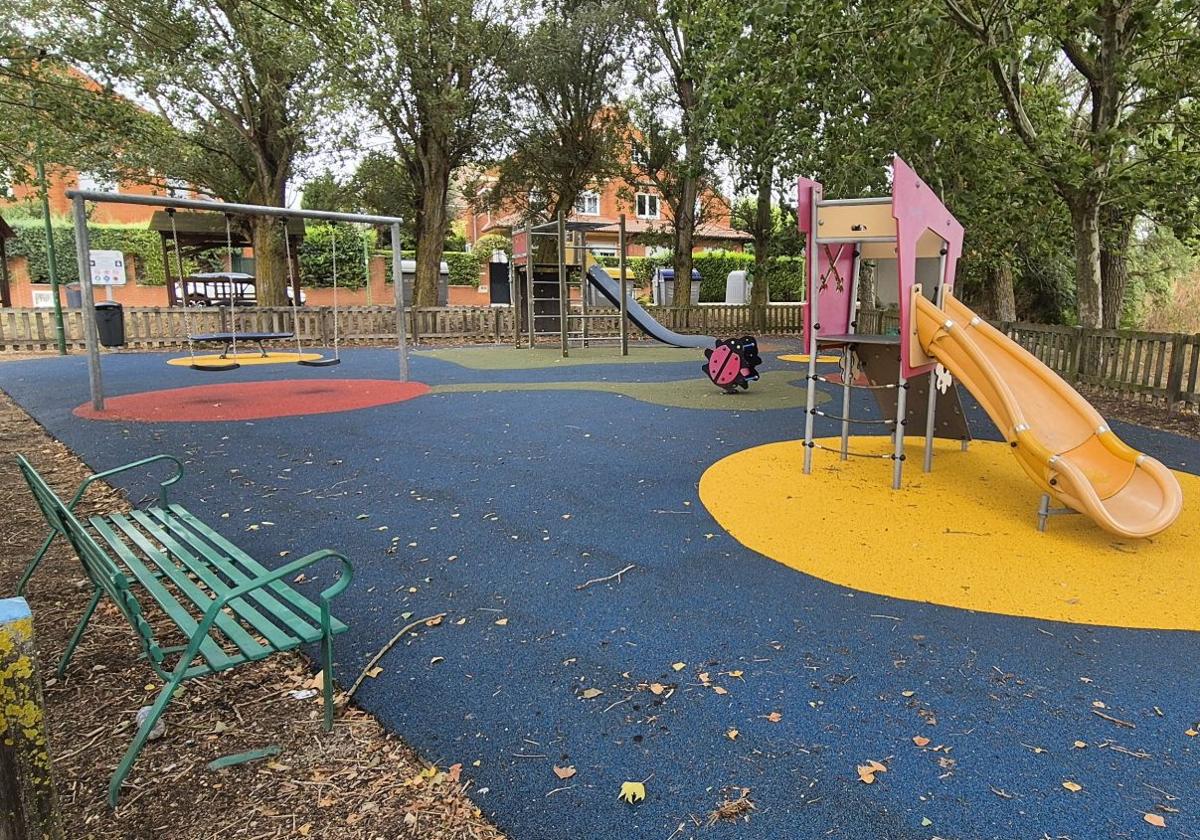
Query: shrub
142, 249
463, 265
316, 256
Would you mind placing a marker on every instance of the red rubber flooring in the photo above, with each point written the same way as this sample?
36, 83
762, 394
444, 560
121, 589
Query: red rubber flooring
253, 400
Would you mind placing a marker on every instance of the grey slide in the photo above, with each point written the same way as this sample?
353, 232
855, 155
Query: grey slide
611, 289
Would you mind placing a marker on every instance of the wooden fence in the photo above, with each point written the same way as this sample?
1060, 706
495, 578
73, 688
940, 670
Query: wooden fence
1160, 366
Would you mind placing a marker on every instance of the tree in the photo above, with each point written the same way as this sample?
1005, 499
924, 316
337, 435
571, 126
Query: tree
565, 132
670, 119
239, 85
325, 192
425, 71
1083, 86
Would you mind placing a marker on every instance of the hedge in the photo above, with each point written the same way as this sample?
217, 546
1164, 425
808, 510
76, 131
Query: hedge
316, 256
142, 249
463, 265
785, 275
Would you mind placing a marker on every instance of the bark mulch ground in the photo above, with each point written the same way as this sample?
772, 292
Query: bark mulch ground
357, 782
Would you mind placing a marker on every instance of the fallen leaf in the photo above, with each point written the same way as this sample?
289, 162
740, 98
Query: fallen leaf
775, 717
679, 666
866, 772
920, 740
1079, 745
1074, 787
632, 792
304, 830
925, 821
1098, 704
434, 622
907, 693
501, 622
374, 672
737, 675
719, 690
436, 660
590, 693
703, 677
454, 772
732, 734
1191, 733
1155, 820
656, 688
564, 772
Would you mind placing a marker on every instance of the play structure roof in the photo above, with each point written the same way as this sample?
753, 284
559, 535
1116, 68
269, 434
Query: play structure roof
208, 229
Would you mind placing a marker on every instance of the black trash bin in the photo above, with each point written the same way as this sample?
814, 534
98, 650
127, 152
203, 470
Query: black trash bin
110, 323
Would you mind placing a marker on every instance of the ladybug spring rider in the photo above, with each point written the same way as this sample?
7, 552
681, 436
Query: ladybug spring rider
733, 363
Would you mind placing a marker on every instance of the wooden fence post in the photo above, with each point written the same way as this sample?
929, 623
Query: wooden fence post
28, 803
1076, 355
1175, 372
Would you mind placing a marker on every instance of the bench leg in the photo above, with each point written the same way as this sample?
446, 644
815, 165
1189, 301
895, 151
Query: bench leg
139, 739
78, 634
327, 671
33, 564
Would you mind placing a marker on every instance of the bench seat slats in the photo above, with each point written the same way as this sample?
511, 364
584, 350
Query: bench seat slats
217, 658
246, 644
179, 514
208, 570
222, 574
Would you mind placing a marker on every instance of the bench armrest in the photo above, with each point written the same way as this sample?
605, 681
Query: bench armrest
288, 569
162, 492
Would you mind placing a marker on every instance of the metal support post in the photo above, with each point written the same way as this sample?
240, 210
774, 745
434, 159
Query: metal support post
91, 338
581, 251
564, 302
514, 285
898, 447
529, 278
847, 360
814, 327
624, 286
931, 406
398, 283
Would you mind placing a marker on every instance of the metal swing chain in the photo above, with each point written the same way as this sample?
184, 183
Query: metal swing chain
287, 247
333, 236
187, 321
232, 299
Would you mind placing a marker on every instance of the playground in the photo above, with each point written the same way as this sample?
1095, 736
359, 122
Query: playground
641, 588
840, 596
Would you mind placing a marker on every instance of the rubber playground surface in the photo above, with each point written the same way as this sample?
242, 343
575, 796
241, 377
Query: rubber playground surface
931, 630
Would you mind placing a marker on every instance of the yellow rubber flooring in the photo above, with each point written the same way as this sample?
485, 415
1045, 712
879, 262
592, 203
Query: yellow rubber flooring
246, 359
803, 357
963, 536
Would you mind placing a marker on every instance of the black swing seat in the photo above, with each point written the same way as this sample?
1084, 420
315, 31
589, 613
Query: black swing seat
214, 367
320, 363
227, 338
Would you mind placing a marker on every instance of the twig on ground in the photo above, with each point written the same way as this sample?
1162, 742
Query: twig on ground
1115, 720
607, 578
383, 651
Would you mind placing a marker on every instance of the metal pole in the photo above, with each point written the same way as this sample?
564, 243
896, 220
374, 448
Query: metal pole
931, 406
624, 287
581, 251
563, 293
531, 321
847, 355
398, 283
814, 326
60, 334
898, 446
514, 285
230, 207
91, 339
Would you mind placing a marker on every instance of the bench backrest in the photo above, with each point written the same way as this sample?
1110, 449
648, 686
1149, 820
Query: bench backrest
101, 569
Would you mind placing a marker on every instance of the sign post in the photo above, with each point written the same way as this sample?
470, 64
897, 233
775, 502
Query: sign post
108, 270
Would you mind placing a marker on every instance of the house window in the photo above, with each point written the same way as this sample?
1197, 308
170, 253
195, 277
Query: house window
604, 252
588, 204
638, 155
647, 206
177, 187
94, 182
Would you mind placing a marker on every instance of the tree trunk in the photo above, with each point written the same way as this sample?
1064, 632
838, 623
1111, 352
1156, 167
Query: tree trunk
685, 232
760, 291
1114, 263
1000, 301
270, 261
431, 231
1085, 222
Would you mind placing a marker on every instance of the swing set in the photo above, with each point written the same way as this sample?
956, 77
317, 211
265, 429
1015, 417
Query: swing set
224, 362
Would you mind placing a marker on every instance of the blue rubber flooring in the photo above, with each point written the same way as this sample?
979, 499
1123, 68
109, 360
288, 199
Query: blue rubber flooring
496, 507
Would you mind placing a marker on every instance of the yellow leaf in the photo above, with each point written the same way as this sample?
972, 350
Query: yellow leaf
501, 622
1080, 744
1074, 787
1098, 704
656, 688
703, 676
732, 734
1155, 820
920, 740
1191, 733
304, 829
564, 772
374, 672
876, 766
866, 775
719, 690
434, 622
591, 693
775, 717
632, 792
907, 693
679, 666
737, 675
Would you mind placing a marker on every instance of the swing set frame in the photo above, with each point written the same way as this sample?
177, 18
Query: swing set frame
91, 336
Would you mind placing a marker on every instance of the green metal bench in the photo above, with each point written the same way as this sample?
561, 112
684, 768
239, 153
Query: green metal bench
230, 608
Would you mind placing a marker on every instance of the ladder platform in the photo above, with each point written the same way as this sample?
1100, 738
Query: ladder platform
858, 338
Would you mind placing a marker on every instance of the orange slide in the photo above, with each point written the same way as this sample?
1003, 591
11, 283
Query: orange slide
1060, 441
